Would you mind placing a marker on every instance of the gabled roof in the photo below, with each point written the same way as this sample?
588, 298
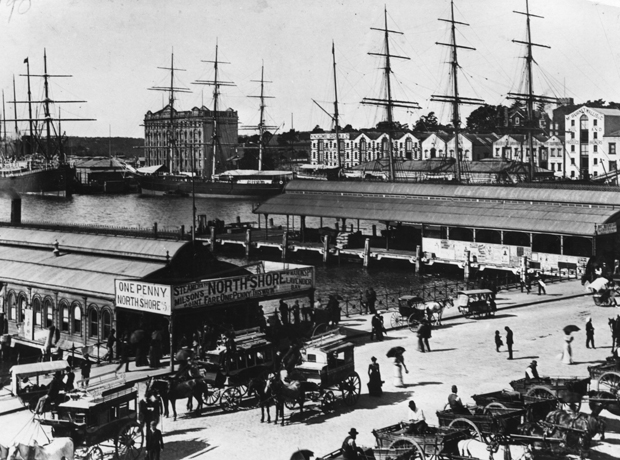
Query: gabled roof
606, 111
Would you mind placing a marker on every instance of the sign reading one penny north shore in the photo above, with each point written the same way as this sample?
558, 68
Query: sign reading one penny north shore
245, 287
146, 297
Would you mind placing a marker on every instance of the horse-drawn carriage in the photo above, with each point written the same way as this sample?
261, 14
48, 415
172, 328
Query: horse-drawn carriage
411, 312
328, 362
483, 423
100, 419
565, 390
605, 378
535, 408
476, 303
29, 382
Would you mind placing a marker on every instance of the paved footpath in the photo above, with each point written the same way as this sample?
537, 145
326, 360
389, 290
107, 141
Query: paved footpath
463, 354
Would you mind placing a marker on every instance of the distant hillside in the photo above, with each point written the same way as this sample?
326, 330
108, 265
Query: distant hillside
103, 146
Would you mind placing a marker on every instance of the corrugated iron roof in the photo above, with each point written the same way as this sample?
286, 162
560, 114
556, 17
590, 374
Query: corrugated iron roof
538, 218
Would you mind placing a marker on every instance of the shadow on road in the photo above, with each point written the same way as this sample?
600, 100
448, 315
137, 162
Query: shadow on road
437, 350
177, 450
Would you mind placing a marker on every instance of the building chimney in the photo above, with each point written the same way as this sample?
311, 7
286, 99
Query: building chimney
16, 210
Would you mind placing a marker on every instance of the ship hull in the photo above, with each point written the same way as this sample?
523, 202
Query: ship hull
160, 186
53, 181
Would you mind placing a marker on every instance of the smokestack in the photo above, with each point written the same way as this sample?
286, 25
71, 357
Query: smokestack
16, 210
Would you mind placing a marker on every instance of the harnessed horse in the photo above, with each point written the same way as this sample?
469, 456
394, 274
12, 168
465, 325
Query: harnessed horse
172, 389
436, 308
294, 391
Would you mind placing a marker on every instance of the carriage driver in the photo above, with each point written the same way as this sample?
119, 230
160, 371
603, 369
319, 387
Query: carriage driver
531, 372
350, 451
455, 402
416, 422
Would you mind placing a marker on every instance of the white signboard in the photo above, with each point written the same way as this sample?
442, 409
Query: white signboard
141, 296
244, 287
28, 324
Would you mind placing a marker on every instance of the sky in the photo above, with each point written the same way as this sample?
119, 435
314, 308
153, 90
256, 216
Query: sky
113, 50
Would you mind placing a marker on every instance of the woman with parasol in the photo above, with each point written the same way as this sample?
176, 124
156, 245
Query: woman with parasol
567, 354
399, 363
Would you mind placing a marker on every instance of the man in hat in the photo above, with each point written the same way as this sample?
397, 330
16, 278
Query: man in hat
350, 451
85, 368
589, 333
509, 341
532, 371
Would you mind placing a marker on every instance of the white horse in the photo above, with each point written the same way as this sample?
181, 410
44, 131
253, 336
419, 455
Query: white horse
436, 307
58, 449
477, 449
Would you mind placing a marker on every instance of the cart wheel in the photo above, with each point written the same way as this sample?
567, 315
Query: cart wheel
540, 392
230, 400
243, 390
129, 442
467, 425
319, 329
609, 381
95, 454
328, 402
493, 405
395, 320
413, 323
410, 449
351, 388
213, 396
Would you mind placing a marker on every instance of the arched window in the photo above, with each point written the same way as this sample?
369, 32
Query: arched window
48, 311
64, 309
22, 303
36, 309
12, 306
106, 320
93, 322
77, 319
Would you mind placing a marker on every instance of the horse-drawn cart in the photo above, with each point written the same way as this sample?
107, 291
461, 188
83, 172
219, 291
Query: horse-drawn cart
476, 303
101, 420
484, 423
535, 409
566, 390
411, 312
605, 379
29, 382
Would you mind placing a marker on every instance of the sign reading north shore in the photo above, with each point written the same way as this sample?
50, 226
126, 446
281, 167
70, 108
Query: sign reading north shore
245, 287
141, 296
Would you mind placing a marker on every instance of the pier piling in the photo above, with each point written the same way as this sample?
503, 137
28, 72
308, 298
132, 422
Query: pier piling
284, 245
248, 241
366, 252
325, 248
16, 211
466, 267
418, 260
212, 232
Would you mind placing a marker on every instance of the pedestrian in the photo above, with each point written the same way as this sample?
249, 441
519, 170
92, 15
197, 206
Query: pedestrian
589, 333
378, 328
296, 312
424, 333
455, 403
531, 372
350, 451
155, 350
540, 283
262, 321
124, 353
69, 379
498, 341
371, 299
333, 307
567, 353
154, 442
509, 341
110, 341
85, 368
374, 378
398, 374
283, 312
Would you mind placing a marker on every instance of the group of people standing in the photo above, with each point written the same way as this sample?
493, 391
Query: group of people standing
509, 341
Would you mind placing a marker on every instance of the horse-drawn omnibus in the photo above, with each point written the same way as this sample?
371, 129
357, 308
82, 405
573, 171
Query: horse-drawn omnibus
29, 382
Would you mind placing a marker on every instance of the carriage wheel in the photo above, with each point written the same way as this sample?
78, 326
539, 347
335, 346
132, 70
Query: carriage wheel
129, 442
351, 388
410, 448
395, 320
319, 329
610, 382
493, 405
540, 392
95, 454
465, 312
328, 402
243, 389
467, 425
230, 400
413, 323
213, 396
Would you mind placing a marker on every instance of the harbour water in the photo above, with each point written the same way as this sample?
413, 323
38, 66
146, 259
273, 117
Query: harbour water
348, 280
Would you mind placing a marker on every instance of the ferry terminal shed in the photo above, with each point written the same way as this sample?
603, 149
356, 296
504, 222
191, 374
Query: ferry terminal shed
66, 279
558, 229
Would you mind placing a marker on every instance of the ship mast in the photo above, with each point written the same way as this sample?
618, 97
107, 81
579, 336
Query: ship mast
170, 154
455, 99
261, 124
530, 97
216, 83
388, 102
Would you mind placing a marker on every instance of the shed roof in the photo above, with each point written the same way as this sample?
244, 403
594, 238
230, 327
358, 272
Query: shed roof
538, 217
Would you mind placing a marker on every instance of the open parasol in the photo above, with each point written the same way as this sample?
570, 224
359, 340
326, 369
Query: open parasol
395, 351
302, 454
598, 284
571, 328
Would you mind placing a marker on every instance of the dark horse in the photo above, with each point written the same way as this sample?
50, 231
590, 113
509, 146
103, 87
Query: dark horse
293, 392
588, 425
259, 388
171, 389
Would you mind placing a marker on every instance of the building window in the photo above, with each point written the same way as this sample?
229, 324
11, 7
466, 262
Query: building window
93, 330
595, 122
572, 161
572, 122
595, 135
64, 308
572, 174
612, 148
106, 320
584, 134
12, 307
36, 309
572, 148
595, 148
596, 161
572, 135
77, 320
48, 309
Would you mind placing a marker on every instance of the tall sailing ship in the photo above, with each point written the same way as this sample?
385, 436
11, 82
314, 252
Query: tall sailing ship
192, 167
35, 163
